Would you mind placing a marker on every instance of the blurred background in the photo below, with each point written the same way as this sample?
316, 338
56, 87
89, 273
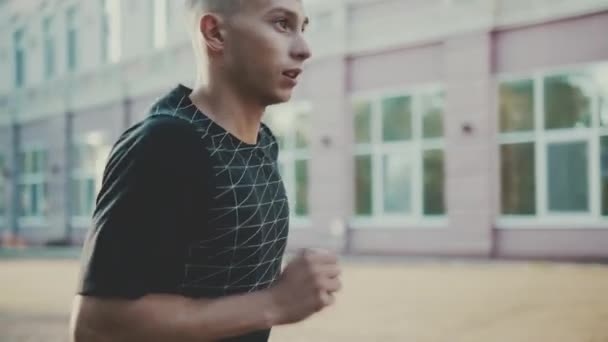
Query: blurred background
454, 151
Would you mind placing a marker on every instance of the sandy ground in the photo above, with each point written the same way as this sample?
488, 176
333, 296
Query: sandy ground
382, 301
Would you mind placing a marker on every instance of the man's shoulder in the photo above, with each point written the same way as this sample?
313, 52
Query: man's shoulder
164, 123
161, 128
158, 138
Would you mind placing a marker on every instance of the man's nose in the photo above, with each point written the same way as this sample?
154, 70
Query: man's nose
301, 49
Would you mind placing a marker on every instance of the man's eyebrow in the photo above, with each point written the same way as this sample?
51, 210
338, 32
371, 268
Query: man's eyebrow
289, 13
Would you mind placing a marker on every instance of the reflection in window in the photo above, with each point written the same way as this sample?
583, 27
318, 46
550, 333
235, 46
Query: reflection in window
363, 185
567, 101
568, 184
396, 119
517, 106
433, 174
517, 179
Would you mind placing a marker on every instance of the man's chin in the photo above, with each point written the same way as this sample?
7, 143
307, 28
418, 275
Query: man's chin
279, 97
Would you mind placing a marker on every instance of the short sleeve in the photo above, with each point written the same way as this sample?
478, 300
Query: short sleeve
144, 210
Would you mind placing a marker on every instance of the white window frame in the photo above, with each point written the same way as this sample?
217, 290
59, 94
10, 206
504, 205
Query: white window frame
544, 219
377, 149
160, 23
28, 179
110, 31
78, 173
288, 156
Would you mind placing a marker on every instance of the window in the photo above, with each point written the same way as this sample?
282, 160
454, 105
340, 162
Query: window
399, 157
160, 22
291, 126
88, 160
48, 28
554, 144
2, 187
604, 174
33, 187
72, 38
19, 47
110, 31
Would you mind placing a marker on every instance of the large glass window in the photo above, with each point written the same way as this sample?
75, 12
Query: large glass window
33, 186
290, 124
88, 160
48, 29
399, 154
553, 144
72, 37
19, 52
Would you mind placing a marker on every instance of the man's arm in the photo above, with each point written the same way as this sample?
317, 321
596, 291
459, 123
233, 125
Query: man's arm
306, 286
170, 318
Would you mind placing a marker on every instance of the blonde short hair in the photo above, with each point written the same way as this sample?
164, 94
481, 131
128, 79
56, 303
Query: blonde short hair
216, 6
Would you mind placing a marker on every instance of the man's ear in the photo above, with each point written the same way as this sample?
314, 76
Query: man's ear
211, 29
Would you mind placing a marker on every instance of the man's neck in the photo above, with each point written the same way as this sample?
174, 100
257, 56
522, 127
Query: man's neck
227, 108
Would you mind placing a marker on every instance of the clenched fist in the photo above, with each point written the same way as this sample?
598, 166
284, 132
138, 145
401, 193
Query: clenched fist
307, 285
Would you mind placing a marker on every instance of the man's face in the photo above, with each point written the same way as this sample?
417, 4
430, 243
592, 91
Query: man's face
265, 49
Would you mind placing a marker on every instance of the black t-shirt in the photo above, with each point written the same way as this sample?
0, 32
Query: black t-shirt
186, 208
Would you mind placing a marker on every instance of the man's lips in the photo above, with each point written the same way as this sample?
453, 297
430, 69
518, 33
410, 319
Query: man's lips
292, 73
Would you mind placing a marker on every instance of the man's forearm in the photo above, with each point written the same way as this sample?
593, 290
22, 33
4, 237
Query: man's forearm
173, 318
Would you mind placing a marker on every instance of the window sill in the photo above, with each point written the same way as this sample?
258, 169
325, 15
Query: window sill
399, 223
33, 222
299, 222
552, 223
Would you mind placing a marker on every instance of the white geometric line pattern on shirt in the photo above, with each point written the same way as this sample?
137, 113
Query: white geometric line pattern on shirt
274, 226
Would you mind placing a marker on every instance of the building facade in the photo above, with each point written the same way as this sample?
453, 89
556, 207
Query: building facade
421, 127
